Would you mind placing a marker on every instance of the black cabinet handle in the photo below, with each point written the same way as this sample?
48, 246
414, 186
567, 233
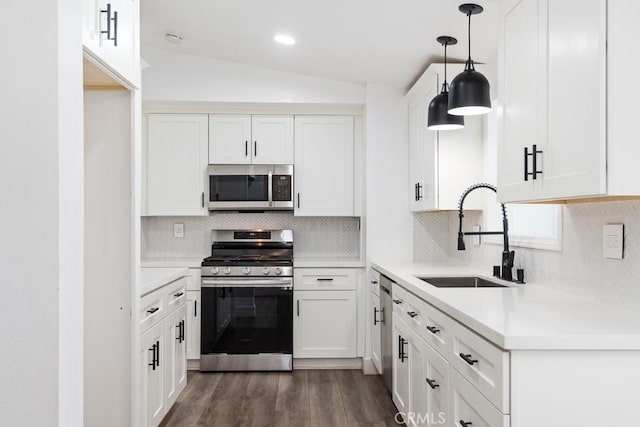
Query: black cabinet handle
158, 353
298, 200
246, 148
400, 347
467, 358
432, 383
195, 308
465, 424
179, 328
433, 329
536, 172
298, 307
534, 155
255, 148
375, 316
153, 357
526, 163
324, 279
153, 310
108, 12
397, 301
420, 187
415, 191
375, 282
203, 199
412, 314
178, 295
115, 29
403, 355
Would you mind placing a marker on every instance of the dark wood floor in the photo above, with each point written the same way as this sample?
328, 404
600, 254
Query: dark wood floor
324, 398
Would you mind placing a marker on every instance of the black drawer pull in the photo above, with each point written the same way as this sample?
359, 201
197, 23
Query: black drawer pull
178, 295
397, 301
324, 279
433, 329
375, 316
375, 282
467, 358
153, 357
412, 314
153, 310
465, 424
432, 383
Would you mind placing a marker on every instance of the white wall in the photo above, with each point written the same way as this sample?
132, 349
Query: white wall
388, 220
180, 77
41, 217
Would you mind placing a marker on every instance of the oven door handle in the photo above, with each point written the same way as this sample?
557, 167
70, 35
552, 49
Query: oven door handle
243, 283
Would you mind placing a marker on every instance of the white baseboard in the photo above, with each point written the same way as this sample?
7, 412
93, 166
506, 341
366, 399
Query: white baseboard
368, 368
193, 364
327, 363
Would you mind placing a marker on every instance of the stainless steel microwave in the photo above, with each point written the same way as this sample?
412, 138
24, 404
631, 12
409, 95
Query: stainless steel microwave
250, 187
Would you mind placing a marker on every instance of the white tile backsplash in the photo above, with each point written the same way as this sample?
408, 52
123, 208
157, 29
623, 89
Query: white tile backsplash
579, 268
315, 237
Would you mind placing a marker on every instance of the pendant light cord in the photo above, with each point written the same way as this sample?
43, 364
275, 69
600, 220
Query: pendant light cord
445, 86
469, 66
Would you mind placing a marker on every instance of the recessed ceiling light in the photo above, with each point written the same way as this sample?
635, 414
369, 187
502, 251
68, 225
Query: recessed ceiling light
284, 39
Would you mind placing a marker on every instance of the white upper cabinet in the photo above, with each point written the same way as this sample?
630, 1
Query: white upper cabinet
441, 164
258, 140
555, 94
272, 140
111, 36
324, 166
176, 164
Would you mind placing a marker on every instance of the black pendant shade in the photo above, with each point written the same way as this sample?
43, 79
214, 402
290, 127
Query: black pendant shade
470, 93
438, 117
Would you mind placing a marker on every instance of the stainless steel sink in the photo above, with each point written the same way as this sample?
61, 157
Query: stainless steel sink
461, 282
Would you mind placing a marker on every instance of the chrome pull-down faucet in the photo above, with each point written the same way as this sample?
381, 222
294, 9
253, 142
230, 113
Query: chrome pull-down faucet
507, 255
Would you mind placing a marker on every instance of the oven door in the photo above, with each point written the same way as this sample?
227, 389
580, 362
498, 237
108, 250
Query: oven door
247, 316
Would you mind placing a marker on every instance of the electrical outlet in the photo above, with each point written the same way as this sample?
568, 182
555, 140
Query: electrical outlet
178, 230
613, 241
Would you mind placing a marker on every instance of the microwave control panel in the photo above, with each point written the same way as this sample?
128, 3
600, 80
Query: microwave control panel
282, 188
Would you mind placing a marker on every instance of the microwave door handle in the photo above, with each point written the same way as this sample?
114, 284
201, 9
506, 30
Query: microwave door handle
270, 187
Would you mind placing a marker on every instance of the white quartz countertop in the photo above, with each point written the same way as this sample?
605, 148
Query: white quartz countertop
522, 317
171, 262
153, 278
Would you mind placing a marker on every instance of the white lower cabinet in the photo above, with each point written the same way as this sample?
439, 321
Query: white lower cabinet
324, 324
163, 355
151, 345
469, 408
400, 365
193, 325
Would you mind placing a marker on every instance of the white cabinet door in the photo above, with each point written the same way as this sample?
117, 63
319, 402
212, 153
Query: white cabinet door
574, 159
417, 412
522, 97
111, 37
324, 168
376, 346
152, 343
272, 138
168, 359
436, 383
181, 350
324, 324
229, 139
416, 131
400, 364
193, 325
176, 164
553, 93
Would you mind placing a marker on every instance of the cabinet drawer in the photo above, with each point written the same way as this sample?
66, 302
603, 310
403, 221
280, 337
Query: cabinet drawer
317, 279
152, 309
413, 311
482, 364
175, 294
374, 282
399, 297
437, 328
471, 407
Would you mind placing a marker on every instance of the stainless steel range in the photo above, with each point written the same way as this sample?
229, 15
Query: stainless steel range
247, 302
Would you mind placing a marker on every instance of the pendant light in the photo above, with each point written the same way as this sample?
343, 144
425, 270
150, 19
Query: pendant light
469, 94
438, 117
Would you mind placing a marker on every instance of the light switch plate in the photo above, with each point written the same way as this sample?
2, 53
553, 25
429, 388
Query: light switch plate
178, 230
613, 241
